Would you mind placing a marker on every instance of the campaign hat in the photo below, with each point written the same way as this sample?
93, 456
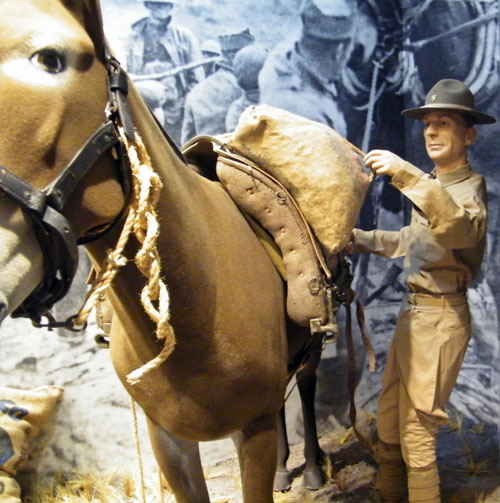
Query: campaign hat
450, 95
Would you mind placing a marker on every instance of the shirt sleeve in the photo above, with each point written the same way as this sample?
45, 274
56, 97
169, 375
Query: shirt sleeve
456, 221
390, 244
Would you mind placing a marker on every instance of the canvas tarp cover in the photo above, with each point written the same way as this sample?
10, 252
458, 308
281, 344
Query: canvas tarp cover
319, 167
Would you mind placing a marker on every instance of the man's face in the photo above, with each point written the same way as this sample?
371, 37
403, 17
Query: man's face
159, 10
447, 138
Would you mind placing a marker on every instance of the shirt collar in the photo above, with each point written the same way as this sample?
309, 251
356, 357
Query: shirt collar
455, 176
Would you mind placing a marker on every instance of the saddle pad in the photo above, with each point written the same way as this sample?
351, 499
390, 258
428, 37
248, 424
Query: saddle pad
269, 208
321, 170
269, 203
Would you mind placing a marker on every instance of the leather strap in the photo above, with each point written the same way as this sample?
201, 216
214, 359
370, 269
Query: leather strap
29, 197
45, 207
62, 187
351, 367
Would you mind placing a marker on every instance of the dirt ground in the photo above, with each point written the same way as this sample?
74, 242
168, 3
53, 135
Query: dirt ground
468, 461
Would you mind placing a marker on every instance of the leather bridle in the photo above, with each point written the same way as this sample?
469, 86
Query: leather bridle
45, 207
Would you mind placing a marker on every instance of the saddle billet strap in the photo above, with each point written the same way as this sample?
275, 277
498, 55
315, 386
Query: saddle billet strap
351, 367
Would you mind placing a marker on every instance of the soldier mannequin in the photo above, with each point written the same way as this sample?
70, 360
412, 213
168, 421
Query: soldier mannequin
443, 248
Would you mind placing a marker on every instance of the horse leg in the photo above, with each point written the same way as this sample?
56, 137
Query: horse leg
282, 478
256, 445
180, 463
313, 476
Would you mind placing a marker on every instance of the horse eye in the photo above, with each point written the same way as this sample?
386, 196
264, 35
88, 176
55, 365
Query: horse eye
49, 60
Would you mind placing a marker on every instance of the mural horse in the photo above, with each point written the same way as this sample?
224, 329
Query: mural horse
233, 343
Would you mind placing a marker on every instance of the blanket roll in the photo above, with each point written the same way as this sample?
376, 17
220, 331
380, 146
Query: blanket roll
318, 166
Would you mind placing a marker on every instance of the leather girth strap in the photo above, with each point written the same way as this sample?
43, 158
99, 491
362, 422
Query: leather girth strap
351, 364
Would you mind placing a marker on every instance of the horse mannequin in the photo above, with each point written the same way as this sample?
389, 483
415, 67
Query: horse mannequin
228, 372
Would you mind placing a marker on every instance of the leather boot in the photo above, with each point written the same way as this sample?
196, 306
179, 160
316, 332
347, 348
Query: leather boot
423, 484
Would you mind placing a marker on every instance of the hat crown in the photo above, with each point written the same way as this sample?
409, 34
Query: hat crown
450, 95
450, 92
330, 20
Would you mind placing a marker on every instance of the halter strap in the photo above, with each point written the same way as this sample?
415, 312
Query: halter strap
53, 231
62, 187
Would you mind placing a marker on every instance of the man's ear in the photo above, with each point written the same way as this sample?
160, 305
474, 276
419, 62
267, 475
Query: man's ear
470, 135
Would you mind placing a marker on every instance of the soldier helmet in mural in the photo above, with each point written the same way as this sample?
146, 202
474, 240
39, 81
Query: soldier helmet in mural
450, 95
328, 19
236, 41
247, 64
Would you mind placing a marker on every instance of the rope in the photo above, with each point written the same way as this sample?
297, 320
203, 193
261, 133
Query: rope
143, 223
140, 462
146, 228
138, 450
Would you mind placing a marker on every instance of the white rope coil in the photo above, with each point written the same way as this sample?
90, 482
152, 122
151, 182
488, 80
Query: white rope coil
143, 223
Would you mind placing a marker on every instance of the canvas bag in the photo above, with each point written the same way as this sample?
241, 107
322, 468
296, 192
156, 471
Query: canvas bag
322, 170
22, 414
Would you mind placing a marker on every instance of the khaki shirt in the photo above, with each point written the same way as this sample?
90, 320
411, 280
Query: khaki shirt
444, 244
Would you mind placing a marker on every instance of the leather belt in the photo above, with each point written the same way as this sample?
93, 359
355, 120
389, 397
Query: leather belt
431, 299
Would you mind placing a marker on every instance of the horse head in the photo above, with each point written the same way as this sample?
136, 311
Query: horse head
52, 64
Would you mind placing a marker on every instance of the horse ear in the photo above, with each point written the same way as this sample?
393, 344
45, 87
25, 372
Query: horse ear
92, 18
88, 13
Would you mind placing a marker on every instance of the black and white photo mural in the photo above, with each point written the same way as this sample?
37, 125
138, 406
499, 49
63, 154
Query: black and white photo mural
353, 65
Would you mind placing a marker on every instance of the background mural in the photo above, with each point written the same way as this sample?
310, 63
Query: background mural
354, 73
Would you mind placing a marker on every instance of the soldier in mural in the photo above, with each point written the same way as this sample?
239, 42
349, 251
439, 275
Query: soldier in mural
247, 65
303, 76
207, 104
158, 46
210, 49
443, 248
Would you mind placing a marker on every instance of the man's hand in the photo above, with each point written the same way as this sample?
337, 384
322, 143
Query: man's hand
349, 247
383, 162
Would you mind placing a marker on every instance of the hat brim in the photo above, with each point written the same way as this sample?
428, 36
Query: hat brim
478, 117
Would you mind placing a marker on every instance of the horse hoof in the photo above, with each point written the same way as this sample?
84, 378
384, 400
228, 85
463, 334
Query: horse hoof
313, 479
282, 481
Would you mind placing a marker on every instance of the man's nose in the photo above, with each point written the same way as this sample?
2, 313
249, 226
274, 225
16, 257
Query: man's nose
430, 130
